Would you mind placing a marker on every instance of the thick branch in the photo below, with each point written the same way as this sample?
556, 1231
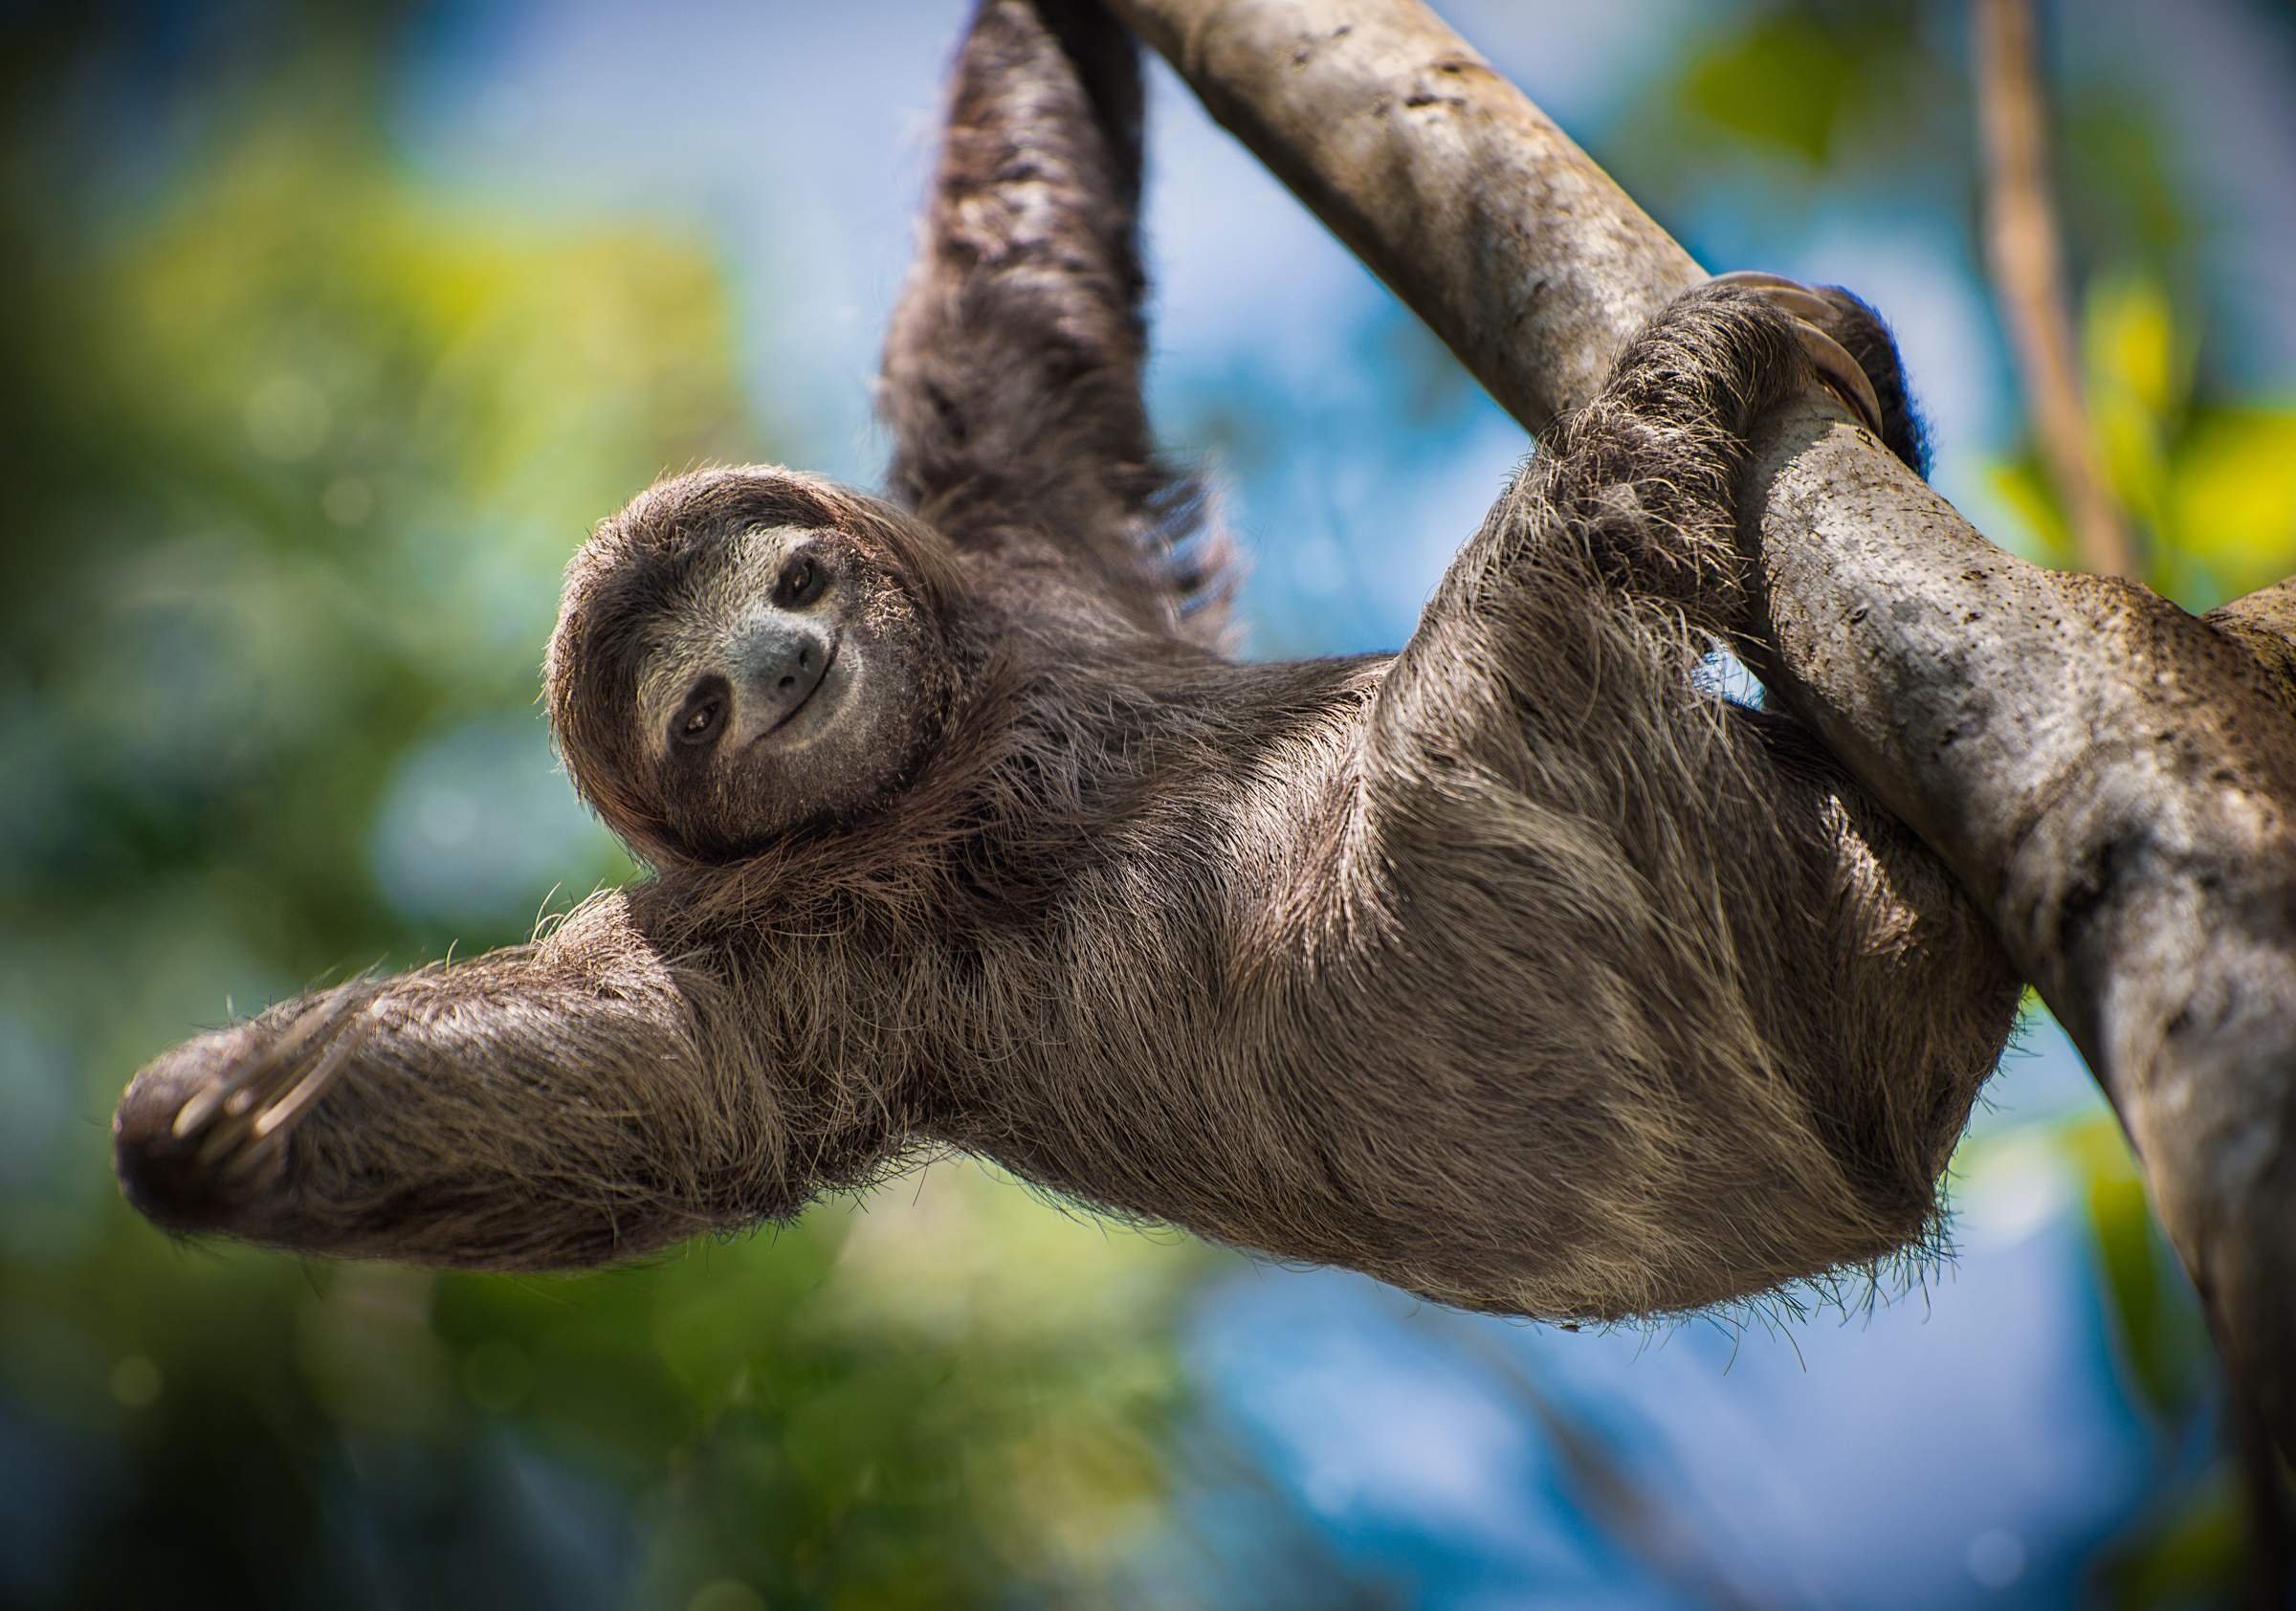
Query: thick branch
2264, 623
2112, 780
2028, 276
1524, 256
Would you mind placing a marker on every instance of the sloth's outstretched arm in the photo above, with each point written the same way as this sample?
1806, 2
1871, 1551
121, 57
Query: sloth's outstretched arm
1012, 372
581, 1098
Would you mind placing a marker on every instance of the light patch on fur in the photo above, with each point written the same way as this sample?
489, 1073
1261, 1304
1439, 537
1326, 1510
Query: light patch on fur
690, 642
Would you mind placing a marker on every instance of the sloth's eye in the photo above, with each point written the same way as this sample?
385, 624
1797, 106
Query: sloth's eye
800, 584
701, 717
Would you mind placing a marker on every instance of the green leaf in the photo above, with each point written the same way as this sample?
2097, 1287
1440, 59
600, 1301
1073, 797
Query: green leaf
1784, 83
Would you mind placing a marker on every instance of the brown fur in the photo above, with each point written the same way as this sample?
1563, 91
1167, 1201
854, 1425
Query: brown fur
1514, 970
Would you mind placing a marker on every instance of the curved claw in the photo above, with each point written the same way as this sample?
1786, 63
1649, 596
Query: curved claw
240, 1120
1843, 374
202, 1133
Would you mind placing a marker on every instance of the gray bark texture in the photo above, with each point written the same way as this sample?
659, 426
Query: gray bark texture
2112, 780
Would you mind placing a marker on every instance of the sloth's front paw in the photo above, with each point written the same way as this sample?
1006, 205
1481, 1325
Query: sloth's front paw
201, 1133
1816, 317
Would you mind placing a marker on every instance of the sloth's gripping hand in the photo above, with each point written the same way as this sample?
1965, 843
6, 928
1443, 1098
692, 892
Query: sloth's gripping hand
1643, 484
1851, 352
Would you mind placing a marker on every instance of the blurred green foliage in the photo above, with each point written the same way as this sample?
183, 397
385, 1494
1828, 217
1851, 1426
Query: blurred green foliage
2210, 484
1790, 79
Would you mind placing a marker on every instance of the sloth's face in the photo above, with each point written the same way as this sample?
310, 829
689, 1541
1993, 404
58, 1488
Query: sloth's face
784, 687
746, 652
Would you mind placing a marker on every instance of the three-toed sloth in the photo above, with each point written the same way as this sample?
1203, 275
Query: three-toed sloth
1514, 968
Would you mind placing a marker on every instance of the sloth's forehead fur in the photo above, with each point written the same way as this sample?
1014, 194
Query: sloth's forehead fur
690, 553
686, 543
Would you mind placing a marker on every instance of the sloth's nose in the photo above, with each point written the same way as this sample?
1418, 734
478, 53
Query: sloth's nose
778, 664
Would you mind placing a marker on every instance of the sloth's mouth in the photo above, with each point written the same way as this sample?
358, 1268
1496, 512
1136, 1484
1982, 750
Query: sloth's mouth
828, 664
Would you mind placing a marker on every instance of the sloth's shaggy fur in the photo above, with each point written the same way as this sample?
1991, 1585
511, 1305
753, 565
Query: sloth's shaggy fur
1514, 969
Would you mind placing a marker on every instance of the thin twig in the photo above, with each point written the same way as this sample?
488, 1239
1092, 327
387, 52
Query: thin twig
2022, 246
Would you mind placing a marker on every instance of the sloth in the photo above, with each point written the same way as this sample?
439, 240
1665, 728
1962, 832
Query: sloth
1517, 968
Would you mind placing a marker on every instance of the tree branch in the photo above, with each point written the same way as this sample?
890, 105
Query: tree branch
1528, 261
2028, 279
2114, 781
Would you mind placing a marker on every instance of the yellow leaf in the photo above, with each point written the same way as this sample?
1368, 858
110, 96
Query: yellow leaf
2130, 347
2231, 495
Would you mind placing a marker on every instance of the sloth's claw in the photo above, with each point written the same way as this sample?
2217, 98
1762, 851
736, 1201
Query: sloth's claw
240, 1120
202, 1132
195, 1112
1843, 374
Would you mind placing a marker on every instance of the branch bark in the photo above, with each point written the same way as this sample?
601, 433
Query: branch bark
2022, 246
2112, 780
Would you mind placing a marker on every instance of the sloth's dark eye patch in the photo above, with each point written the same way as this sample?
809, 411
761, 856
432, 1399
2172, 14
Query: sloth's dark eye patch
801, 583
702, 717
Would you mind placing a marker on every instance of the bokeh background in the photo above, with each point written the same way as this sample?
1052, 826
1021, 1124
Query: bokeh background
327, 334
